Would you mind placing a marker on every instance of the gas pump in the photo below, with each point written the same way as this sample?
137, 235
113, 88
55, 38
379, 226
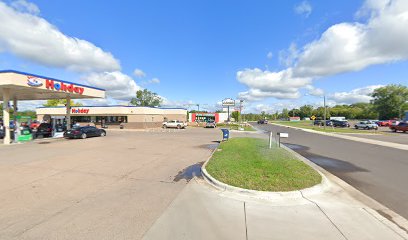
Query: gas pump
58, 126
22, 132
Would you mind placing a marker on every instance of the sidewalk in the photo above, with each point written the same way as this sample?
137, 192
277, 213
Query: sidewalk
203, 212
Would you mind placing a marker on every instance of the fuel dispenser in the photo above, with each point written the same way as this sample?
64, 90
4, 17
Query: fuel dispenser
22, 132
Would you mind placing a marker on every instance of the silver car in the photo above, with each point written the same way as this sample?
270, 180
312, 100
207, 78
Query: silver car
210, 124
366, 125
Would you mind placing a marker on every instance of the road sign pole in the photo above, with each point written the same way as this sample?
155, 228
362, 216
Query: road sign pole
270, 140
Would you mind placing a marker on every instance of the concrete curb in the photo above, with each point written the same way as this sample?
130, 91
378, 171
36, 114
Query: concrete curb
388, 217
352, 138
265, 195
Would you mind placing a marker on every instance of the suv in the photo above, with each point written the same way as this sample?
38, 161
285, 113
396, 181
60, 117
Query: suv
402, 126
45, 130
174, 124
366, 125
338, 123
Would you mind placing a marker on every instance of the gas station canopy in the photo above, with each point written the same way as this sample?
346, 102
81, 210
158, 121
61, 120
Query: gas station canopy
16, 85
27, 86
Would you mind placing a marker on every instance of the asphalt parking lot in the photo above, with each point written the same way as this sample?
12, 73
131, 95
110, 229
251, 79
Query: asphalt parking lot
113, 187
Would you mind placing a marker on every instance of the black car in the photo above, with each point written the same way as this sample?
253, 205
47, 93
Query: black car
338, 123
2, 133
84, 132
44, 130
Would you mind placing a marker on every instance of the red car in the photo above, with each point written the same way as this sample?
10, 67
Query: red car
34, 124
384, 123
402, 126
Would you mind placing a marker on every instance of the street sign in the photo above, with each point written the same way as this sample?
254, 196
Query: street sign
313, 117
228, 102
283, 135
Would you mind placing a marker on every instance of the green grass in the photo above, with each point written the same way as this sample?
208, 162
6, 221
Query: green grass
249, 163
309, 125
235, 126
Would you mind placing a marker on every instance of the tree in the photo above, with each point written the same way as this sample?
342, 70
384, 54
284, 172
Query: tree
60, 102
236, 115
306, 111
389, 100
146, 98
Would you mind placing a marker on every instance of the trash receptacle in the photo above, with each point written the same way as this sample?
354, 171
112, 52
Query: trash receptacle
225, 134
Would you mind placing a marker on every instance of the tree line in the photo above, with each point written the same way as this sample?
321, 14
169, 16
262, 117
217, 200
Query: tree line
388, 102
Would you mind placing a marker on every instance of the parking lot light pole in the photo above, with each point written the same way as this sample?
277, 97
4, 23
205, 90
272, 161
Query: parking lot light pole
325, 110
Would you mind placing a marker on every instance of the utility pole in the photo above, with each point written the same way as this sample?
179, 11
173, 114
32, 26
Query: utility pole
240, 109
325, 110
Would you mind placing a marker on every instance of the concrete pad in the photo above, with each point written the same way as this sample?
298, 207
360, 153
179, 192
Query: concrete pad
199, 213
294, 222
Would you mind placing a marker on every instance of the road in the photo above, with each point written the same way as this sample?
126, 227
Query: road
380, 172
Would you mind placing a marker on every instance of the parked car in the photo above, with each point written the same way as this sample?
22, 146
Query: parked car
366, 125
384, 123
44, 130
338, 123
84, 132
321, 122
263, 121
35, 124
2, 133
174, 124
402, 126
210, 124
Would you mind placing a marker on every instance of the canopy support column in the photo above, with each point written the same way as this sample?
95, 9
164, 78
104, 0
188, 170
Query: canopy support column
68, 115
6, 115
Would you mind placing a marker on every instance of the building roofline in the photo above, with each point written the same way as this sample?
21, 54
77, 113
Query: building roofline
114, 106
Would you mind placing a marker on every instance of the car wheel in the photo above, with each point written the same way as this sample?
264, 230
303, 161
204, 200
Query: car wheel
164, 126
103, 134
178, 127
83, 135
355, 127
394, 130
366, 128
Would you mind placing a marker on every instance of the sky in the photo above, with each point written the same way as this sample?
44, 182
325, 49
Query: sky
271, 54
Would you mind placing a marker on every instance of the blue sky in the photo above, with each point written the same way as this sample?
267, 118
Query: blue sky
195, 50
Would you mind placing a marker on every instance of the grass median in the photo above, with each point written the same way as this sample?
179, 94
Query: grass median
249, 163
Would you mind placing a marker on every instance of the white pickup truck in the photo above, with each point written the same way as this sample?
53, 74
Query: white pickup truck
174, 124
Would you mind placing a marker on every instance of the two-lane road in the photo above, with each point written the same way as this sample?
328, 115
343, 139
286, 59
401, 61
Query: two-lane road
380, 172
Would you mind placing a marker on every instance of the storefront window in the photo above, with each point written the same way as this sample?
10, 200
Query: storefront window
111, 119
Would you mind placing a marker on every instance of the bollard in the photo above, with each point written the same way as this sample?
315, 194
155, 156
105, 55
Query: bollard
270, 140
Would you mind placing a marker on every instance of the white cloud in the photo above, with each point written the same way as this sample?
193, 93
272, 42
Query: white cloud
349, 47
33, 38
264, 84
117, 85
139, 73
315, 91
269, 55
354, 96
155, 81
304, 8
24, 6
288, 57
343, 47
